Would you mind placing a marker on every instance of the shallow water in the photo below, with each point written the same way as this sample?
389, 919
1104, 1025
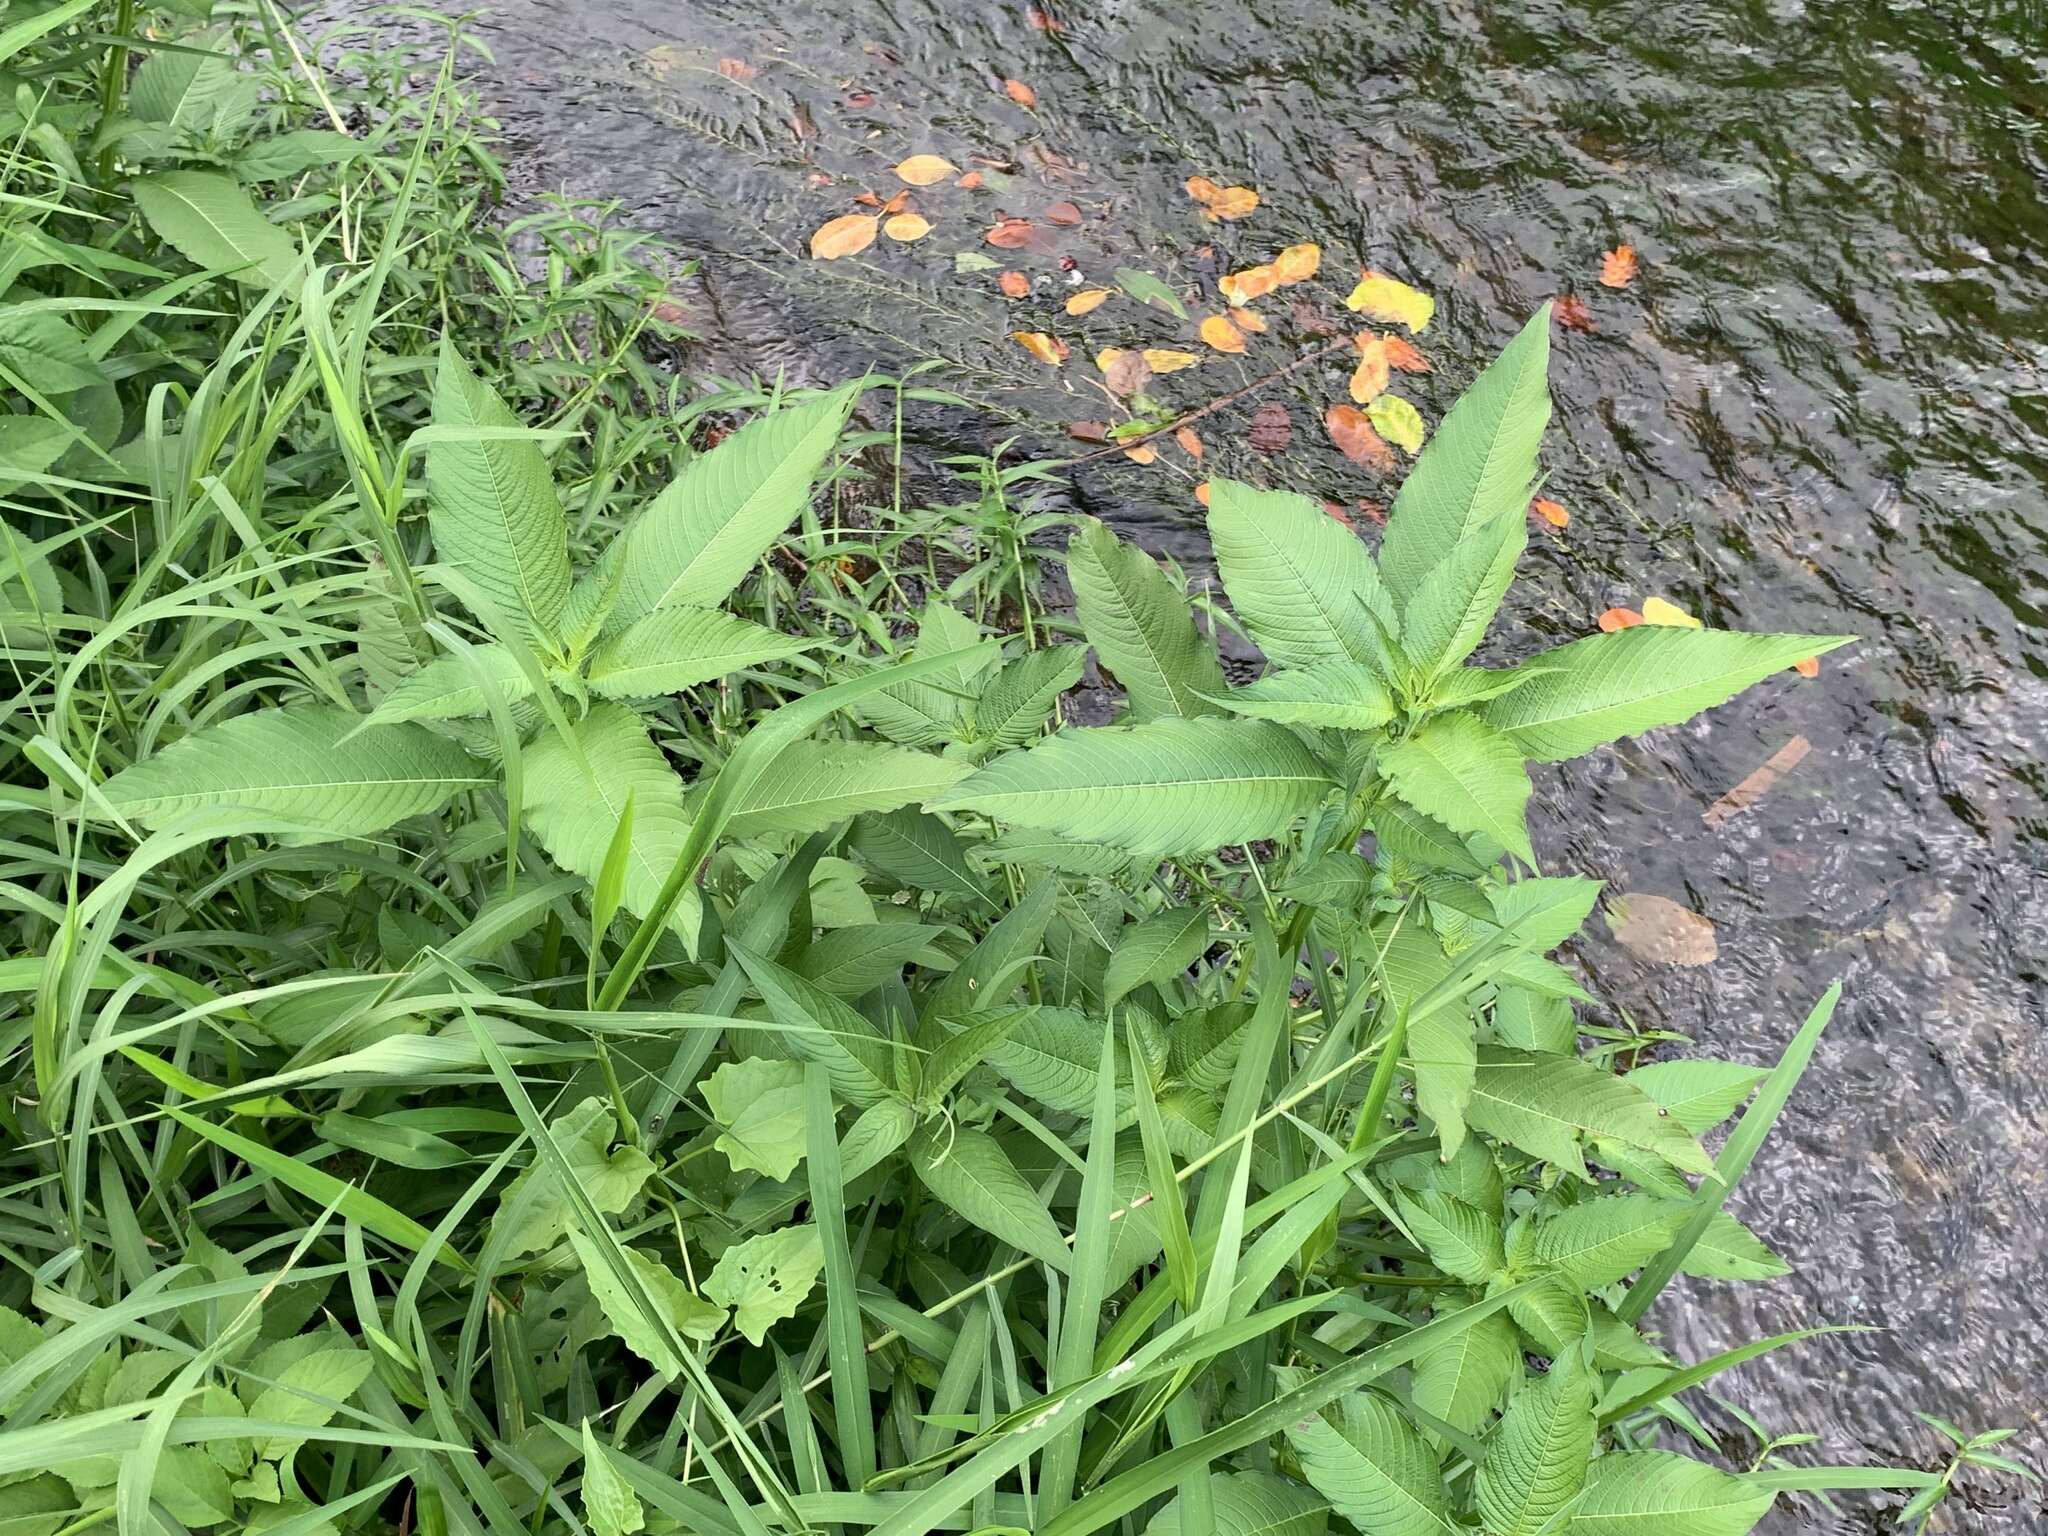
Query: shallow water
1821, 406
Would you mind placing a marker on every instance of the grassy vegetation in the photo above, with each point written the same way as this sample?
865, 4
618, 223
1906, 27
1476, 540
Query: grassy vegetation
562, 971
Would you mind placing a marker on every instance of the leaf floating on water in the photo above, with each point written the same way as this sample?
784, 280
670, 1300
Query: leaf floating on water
1201, 189
847, 235
1221, 202
1222, 335
1185, 436
906, 227
1355, 438
1551, 512
1248, 321
1164, 360
1020, 93
1807, 666
1047, 349
925, 170
1202, 493
1403, 354
1661, 930
1619, 618
1392, 301
1758, 784
1043, 20
1125, 373
1063, 213
1087, 301
1147, 289
1369, 378
1240, 288
1142, 453
1272, 428
1298, 263
1089, 431
897, 203
1010, 234
972, 261
1397, 421
969, 182
1619, 266
1572, 314
737, 69
1658, 611
1015, 285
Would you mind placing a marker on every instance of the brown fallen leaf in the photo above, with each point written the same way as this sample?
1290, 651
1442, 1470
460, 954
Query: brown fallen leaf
847, 235
1142, 453
737, 69
1202, 493
1047, 349
969, 182
1619, 266
1089, 431
1661, 930
867, 199
1551, 512
1272, 428
1619, 618
1063, 213
1758, 784
1222, 335
897, 203
1807, 666
925, 170
1010, 234
1086, 301
1403, 354
1355, 438
1372, 511
1572, 314
1298, 263
906, 227
1015, 285
1370, 378
1043, 20
1190, 443
1020, 93
1124, 373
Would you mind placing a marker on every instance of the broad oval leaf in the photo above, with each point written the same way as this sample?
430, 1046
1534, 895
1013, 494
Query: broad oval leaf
1660, 1493
211, 222
1141, 627
1536, 1456
1303, 584
1373, 1467
972, 1174
1543, 1104
678, 648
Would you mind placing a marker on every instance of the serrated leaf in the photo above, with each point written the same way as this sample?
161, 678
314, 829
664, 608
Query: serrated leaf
1461, 1240
689, 1315
309, 1392
1442, 1050
1536, 1457
1543, 1104
1457, 770
679, 648
191, 1485
1252, 1504
535, 1203
1335, 694
1728, 1250
759, 1107
609, 1503
1164, 787
1300, 581
1205, 1045
1659, 1493
1448, 615
1597, 1242
178, 88
1022, 696
1050, 1054
493, 509
817, 784
305, 761
279, 157
1698, 1094
1462, 1379
819, 1027
46, 352
1422, 841
1141, 627
917, 851
849, 962
766, 1278
1155, 950
211, 222
1622, 684
448, 687
1376, 1471
969, 1171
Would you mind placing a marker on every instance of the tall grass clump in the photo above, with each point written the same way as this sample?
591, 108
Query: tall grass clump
558, 980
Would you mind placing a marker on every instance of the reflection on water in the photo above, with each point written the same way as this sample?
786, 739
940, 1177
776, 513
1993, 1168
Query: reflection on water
1820, 407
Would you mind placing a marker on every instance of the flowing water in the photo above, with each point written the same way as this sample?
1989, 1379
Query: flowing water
1821, 406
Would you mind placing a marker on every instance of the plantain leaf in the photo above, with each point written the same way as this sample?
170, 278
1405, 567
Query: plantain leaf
678, 648
1300, 581
1141, 628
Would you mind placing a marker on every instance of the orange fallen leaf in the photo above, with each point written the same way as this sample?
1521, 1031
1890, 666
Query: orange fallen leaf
897, 203
1619, 618
925, 170
1232, 203
969, 182
1165, 360
1047, 349
1142, 453
1657, 611
1808, 666
1020, 93
1086, 301
1185, 436
1355, 438
1240, 288
1572, 314
846, 235
1403, 354
1015, 285
1089, 431
867, 199
1010, 234
1201, 189
1297, 263
1619, 266
1248, 321
736, 69
1202, 493
1758, 784
1551, 512
1044, 21
1222, 335
1369, 379
1063, 213
906, 227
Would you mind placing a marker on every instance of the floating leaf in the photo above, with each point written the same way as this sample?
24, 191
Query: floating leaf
1240, 288
925, 170
972, 261
1087, 301
1163, 360
969, 182
1402, 354
906, 227
1047, 349
1185, 436
1063, 213
1142, 453
1015, 285
1392, 301
1619, 266
1397, 421
1355, 438
1147, 289
1572, 313
1272, 428
1020, 93
1202, 493
737, 69
1089, 431
1219, 333
1248, 321
1201, 189
1660, 929
1011, 234
1369, 379
1124, 372
1298, 263
1619, 618
1550, 511
1657, 611
1807, 666
1232, 203
847, 235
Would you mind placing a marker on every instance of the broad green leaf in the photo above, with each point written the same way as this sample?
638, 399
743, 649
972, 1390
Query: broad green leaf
1609, 686
879, 1131
535, 1203
1147, 289
492, 505
1337, 694
1376, 1471
1658, 1493
448, 688
1478, 469
819, 1027
1457, 770
919, 852
961, 1053
1422, 842
1448, 615
1159, 948
1252, 1504
1728, 1250
1554, 1314
45, 351
1536, 1456
1461, 1240
210, 221
279, 157
1299, 580
766, 1278
190, 1484
817, 784
1205, 1044
989, 973
1165, 787
697, 540
1049, 1054
609, 1503
309, 1392
1141, 627
759, 1107
689, 1315
1443, 1052
1597, 1242
1017, 702
305, 761
969, 1171
850, 962
1463, 1378
1543, 1104
679, 648
574, 817
1699, 1094
178, 88
1530, 1021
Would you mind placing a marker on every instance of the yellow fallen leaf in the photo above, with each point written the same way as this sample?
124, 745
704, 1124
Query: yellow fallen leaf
1142, 453
1392, 301
847, 235
1298, 263
1240, 288
1161, 360
1221, 334
1248, 321
925, 170
1397, 421
1106, 358
1047, 349
1658, 611
1233, 203
1551, 512
1086, 301
1369, 379
907, 227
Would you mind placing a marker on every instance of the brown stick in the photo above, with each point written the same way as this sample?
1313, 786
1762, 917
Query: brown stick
1215, 405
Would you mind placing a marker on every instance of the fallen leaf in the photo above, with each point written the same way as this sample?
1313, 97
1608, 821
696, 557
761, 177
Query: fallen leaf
1355, 438
1142, 453
1397, 421
1015, 235
1402, 354
1240, 288
1661, 930
1201, 189
1808, 666
969, 182
1087, 301
1015, 285
1163, 360
1089, 431
1125, 373
1248, 321
906, 227
972, 261
1222, 335
1619, 618
1147, 289
897, 203
737, 69
1272, 428
1369, 378
925, 170
867, 199
1044, 20
1020, 93
1232, 203
1298, 263
1658, 611
1572, 313
1202, 493
1063, 213
1758, 784
846, 235
1392, 301
1550, 511
1185, 436
860, 100
1619, 266
1047, 349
